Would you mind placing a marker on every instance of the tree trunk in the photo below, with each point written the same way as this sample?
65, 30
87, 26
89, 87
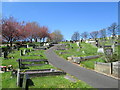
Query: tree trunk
10, 43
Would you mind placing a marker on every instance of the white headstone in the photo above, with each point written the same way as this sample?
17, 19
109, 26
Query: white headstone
113, 47
77, 43
27, 46
24, 51
100, 50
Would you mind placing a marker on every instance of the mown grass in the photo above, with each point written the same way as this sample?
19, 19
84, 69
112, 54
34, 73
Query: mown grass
57, 82
39, 82
88, 49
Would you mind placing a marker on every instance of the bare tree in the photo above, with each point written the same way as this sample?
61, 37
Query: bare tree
102, 33
75, 36
94, 34
84, 35
113, 30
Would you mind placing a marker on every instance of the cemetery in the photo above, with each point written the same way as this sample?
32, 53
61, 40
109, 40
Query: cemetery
32, 66
54, 46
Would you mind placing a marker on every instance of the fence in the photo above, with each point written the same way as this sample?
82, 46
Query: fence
108, 68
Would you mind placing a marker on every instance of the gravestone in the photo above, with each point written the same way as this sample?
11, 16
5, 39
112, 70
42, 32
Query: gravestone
113, 47
19, 62
27, 46
21, 52
100, 50
5, 54
24, 51
78, 44
18, 77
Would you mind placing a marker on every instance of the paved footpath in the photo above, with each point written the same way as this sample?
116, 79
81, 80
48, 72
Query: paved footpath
92, 78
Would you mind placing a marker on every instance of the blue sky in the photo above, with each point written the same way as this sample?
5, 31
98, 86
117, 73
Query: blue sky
67, 17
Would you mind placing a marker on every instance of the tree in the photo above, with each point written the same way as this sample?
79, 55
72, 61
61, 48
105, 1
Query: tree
11, 30
113, 30
102, 33
75, 36
94, 34
44, 32
56, 36
31, 30
84, 35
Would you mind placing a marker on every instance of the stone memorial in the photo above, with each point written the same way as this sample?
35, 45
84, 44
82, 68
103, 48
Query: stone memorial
5, 54
21, 52
100, 50
24, 51
18, 77
113, 47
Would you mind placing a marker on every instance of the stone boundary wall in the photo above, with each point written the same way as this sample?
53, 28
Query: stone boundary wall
108, 68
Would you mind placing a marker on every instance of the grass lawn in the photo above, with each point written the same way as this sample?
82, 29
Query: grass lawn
39, 82
87, 48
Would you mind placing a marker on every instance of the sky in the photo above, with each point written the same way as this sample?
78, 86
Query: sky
67, 17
